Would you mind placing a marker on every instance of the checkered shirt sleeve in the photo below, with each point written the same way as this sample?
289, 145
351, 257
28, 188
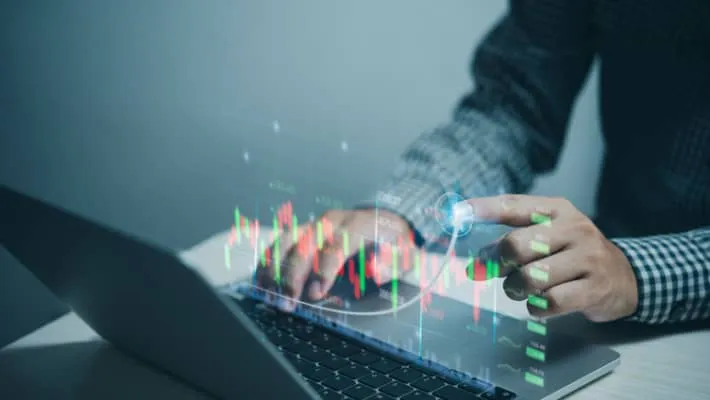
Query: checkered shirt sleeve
527, 73
673, 275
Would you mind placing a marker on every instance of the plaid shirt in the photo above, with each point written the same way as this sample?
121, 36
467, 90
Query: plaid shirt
654, 195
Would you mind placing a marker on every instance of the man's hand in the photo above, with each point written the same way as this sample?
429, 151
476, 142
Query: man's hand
304, 261
557, 253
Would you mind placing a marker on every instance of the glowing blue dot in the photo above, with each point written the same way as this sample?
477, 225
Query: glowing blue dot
451, 212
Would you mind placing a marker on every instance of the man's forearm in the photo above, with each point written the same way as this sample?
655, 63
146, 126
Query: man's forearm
443, 162
673, 276
527, 73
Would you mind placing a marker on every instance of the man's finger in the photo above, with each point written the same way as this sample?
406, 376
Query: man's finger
517, 210
561, 299
303, 259
270, 274
296, 264
542, 275
552, 271
357, 233
515, 286
350, 240
330, 261
525, 245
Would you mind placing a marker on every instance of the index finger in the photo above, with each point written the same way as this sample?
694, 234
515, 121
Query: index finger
516, 210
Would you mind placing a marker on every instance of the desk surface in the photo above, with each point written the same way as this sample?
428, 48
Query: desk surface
66, 359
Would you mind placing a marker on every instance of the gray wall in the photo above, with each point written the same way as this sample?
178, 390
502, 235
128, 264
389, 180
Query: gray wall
137, 113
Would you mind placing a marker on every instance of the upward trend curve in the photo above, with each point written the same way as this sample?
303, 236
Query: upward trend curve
509, 368
509, 341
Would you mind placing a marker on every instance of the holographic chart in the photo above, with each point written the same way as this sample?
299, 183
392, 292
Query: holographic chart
415, 274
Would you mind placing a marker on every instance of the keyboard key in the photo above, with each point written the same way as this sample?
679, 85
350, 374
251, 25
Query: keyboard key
289, 323
327, 394
333, 362
292, 358
475, 389
316, 386
380, 396
497, 394
310, 375
318, 374
343, 349
313, 353
261, 324
354, 371
446, 379
338, 382
303, 334
302, 366
364, 357
324, 340
277, 337
476, 386
418, 396
293, 345
285, 322
429, 383
453, 393
385, 365
375, 380
406, 375
359, 392
263, 316
396, 389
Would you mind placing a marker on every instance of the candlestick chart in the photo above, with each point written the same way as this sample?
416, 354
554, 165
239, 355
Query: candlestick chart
361, 268
389, 262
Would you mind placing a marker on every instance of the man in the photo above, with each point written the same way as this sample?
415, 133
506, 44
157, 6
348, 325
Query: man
646, 255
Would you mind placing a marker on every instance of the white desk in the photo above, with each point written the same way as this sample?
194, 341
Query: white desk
65, 358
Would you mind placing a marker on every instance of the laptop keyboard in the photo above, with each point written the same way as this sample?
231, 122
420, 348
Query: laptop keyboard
341, 368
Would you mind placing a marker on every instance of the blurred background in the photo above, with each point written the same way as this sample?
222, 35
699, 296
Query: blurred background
159, 117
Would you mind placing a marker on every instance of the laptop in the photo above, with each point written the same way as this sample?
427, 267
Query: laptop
231, 344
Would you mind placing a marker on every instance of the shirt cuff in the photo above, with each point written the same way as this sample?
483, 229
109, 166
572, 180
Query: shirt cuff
672, 275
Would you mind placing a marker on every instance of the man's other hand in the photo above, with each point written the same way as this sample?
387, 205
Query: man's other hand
557, 259
307, 262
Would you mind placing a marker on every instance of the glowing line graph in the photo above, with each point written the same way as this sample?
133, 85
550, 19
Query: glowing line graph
509, 368
477, 329
509, 342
